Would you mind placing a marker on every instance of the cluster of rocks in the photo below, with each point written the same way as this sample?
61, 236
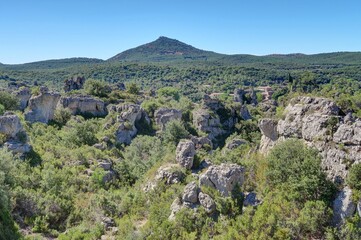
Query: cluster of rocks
223, 178
164, 115
321, 124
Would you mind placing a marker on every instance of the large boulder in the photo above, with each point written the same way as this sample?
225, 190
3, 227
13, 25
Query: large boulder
10, 125
23, 94
239, 95
190, 193
244, 113
164, 115
83, 105
41, 107
269, 132
185, 153
343, 206
202, 142
223, 177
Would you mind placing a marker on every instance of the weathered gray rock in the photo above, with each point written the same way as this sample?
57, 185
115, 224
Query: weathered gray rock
83, 105
109, 176
223, 177
164, 115
169, 173
75, 83
10, 125
234, 143
176, 206
359, 208
105, 164
207, 202
126, 117
190, 193
209, 123
41, 108
185, 153
201, 142
343, 207
23, 94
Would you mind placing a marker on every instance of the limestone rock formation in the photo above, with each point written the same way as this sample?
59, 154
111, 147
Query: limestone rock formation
343, 207
269, 132
41, 107
74, 83
83, 105
14, 133
164, 115
251, 200
223, 177
190, 193
126, 117
207, 202
169, 173
201, 142
185, 153
23, 94
320, 123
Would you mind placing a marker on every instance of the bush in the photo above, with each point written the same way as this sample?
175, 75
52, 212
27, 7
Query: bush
61, 116
9, 101
354, 177
169, 92
174, 132
132, 88
293, 166
96, 88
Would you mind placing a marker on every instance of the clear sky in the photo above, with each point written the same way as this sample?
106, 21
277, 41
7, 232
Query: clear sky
33, 30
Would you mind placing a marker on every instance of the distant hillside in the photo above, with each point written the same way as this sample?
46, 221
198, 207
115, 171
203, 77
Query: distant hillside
164, 49
52, 64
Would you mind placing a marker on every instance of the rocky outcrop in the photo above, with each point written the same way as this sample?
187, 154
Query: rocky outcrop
15, 138
190, 193
343, 206
83, 105
202, 142
251, 200
223, 177
164, 115
185, 153
269, 132
126, 116
41, 107
169, 173
10, 125
75, 83
23, 94
214, 119
321, 124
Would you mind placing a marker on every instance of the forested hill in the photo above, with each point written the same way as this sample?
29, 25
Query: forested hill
165, 49
52, 64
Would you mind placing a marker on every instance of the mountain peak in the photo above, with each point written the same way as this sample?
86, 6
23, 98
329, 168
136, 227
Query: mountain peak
163, 48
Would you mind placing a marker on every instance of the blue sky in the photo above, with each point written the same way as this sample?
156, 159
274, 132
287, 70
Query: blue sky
33, 30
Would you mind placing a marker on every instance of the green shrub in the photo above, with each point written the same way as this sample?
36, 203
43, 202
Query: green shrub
174, 132
96, 88
169, 92
9, 101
